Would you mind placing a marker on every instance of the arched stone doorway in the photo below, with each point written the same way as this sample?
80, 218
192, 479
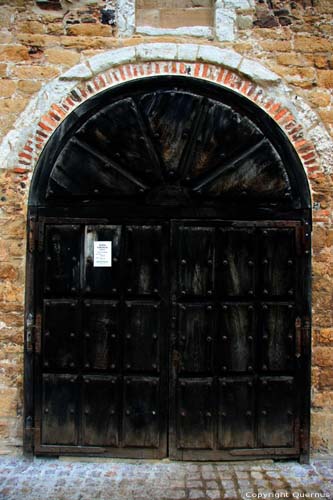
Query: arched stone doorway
190, 338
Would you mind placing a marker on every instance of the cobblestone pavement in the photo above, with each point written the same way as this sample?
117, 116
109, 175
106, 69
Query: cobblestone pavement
71, 479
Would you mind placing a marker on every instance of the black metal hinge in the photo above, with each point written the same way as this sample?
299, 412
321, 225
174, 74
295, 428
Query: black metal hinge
306, 238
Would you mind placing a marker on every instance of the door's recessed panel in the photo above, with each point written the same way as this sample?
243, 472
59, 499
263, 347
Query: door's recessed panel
60, 407
62, 260
142, 336
236, 413
236, 262
143, 260
141, 413
237, 338
276, 411
278, 337
195, 413
101, 335
196, 254
100, 411
61, 335
196, 337
278, 262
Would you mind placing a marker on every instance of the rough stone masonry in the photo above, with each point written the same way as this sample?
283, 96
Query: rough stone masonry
42, 39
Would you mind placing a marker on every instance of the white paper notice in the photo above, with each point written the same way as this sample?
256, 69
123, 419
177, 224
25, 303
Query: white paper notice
102, 253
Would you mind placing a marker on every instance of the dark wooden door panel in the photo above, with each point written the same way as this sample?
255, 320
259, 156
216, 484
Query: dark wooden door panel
237, 337
236, 262
142, 337
143, 256
62, 259
196, 337
226, 332
278, 337
195, 256
195, 413
101, 411
277, 402
60, 410
170, 132
236, 413
102, 280
101, 335
60, 335
278, 261
142, 412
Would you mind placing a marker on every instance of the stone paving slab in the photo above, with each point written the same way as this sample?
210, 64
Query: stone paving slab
75, 479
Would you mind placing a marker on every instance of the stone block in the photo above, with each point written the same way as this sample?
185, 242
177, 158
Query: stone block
106, 60
312, 44
37, 40
30, 26
292, 59
323, 400
224, 22
325, 78
79, 72
244, 22
257, 72
126, 17
7, 88
326, 115
157, 51
14, 53
62, 57
3, 70
319, 98
194, 31
187, 52
148, 17
323, 356
237, 4
28, 86
83, 42
9, 401
35, 72
276, 45
89, 30
226, 57
176, 18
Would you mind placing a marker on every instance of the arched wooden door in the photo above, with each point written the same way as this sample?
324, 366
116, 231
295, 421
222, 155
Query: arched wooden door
169, 278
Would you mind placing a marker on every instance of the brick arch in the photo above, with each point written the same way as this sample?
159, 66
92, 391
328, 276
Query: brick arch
249, 78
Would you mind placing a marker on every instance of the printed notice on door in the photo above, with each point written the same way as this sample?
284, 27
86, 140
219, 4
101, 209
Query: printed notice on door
102, 253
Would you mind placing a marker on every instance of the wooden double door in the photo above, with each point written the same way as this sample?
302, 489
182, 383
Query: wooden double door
187, 343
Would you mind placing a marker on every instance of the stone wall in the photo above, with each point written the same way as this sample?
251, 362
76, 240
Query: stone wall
292, 39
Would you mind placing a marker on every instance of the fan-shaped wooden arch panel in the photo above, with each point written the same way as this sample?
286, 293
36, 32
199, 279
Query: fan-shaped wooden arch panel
171, 141
169, 146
